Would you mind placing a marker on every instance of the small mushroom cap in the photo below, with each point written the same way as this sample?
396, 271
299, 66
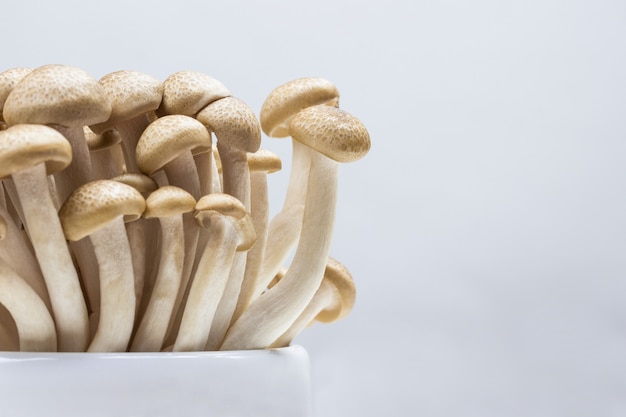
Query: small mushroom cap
168, 201
340, 279
233, 122
95, 204
8, 80
57, 94
332, 132
168, 137
24, 146
100, 141
140, 182
131, 94
264, 161
288, 99
188, 92
220, 204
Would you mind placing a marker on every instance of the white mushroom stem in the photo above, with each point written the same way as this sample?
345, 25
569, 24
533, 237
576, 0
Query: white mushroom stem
207, 286
130, 131
319, 302
9, 339
17, 253
46, 234
117, 288
272, 314
284, 228
79, 172
34, 323
154, 321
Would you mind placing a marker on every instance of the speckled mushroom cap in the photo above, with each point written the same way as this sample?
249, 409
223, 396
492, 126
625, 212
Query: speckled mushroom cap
168, 201
131, 94
332, 132
188, 92
264, 160
233, 122
57, 94
8, 80
166, 138
340, 279
95, 204
288, 99
226, 205
24, 146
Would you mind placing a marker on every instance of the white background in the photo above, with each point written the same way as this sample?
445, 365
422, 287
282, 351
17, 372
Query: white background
486, 229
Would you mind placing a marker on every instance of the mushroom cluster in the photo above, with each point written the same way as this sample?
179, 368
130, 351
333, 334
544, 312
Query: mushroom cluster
123, 227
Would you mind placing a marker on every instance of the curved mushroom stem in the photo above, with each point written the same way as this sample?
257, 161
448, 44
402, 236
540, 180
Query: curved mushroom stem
207, 287
285, 227
46, 234
320, 300
9, 339
117, 288
154, 322
271, 315
16, 252
130, 132
34, 323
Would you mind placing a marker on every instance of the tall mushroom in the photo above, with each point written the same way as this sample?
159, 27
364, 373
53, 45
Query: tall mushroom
167, 204
260, 163
230, 231
280, 106
334, 136
238, 132
98, 210
27, 154
332, 301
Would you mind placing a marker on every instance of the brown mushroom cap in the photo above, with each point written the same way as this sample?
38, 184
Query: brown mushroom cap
57, 94
288, 99
235, 125
8, 80
168, 201
131, 94
95, 204
264, 160
188, 92
332, 132
24, 146
166, 138
140, 182
340, 279
226, 205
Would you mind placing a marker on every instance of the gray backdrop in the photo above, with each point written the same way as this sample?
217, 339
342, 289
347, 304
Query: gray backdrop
486, 229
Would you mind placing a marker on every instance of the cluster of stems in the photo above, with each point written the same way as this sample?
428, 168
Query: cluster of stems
134, 212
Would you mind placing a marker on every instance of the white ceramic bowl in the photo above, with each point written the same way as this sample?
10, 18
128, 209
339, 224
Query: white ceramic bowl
273, 382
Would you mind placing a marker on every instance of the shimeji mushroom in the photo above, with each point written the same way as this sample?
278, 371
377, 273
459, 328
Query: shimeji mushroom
167, 204
98, 210
35, 327
260, 163
238, 132
167, 145
134, 97
28, 153
67, 99
105, 150
332, 301
186, 93
280, 106
230, 231
336, 136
